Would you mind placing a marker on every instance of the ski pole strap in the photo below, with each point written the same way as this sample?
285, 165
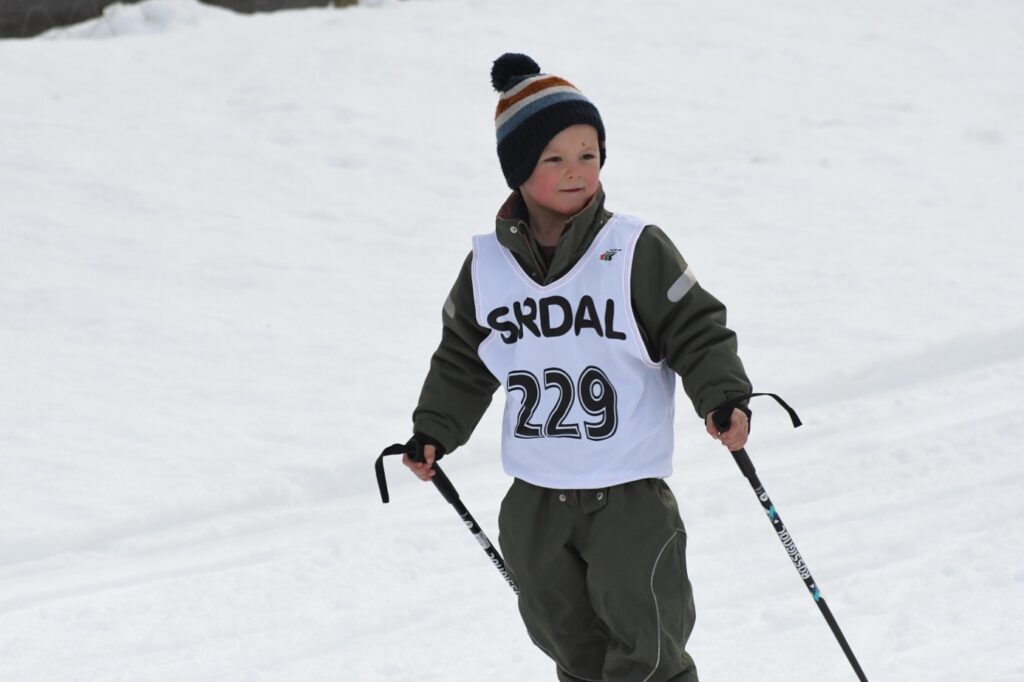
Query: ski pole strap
439, 479
722, 415
382, 481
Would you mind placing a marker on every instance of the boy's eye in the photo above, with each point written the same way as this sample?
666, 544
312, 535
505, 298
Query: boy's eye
553, 159
588, 156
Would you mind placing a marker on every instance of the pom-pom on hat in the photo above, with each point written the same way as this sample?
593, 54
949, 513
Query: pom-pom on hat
532, 109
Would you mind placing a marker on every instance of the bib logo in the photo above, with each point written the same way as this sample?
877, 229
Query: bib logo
609, 254
553, 316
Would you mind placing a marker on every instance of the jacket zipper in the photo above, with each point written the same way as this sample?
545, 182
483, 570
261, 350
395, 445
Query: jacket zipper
541, 270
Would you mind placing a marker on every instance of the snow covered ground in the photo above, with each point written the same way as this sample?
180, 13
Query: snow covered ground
224, 246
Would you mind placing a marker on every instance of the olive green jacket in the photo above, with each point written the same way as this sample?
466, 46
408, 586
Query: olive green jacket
680, 321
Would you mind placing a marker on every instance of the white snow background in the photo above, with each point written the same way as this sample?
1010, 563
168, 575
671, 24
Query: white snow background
225, 242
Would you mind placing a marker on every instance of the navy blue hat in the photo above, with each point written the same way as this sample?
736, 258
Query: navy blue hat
533, 108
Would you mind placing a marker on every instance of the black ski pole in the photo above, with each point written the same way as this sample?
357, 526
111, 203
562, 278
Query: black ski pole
448, 491
722, 418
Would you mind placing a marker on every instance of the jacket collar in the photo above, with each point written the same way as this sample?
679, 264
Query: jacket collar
513, 232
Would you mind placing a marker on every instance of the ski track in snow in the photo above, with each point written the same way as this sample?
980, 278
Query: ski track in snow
225, 242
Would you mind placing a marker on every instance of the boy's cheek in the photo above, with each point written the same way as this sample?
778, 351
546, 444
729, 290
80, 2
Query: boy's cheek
550, 191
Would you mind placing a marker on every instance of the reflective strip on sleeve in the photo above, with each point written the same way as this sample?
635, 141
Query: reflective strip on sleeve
682, 285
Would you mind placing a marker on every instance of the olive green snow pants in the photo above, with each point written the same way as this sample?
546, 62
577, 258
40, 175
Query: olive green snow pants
602, 579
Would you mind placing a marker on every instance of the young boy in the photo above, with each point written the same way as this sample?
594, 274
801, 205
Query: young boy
584, 316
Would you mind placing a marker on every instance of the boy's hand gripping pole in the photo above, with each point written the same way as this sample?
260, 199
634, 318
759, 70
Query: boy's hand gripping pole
448, 491
722, 417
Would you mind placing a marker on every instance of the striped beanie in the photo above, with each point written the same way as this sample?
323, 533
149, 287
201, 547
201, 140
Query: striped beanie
533, 108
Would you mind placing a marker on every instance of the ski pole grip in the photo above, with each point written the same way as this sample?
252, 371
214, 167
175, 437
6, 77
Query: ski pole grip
444, 485
722, 419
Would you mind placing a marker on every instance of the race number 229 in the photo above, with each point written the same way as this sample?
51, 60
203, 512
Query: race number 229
593, 390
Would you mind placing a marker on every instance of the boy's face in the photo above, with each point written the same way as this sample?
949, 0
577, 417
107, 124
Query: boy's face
567, 173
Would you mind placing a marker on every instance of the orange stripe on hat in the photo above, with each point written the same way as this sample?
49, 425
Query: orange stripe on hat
539, 84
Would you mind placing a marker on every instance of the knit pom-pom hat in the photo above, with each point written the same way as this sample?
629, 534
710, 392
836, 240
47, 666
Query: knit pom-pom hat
532, 109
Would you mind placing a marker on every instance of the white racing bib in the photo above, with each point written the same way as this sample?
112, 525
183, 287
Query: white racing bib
585, 406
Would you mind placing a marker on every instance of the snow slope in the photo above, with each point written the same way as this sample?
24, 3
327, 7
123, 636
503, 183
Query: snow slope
224, 246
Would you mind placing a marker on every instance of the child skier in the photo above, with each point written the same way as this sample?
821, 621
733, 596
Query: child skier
584, 316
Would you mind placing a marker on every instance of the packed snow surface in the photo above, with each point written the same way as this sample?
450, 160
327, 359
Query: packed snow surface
225, 242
